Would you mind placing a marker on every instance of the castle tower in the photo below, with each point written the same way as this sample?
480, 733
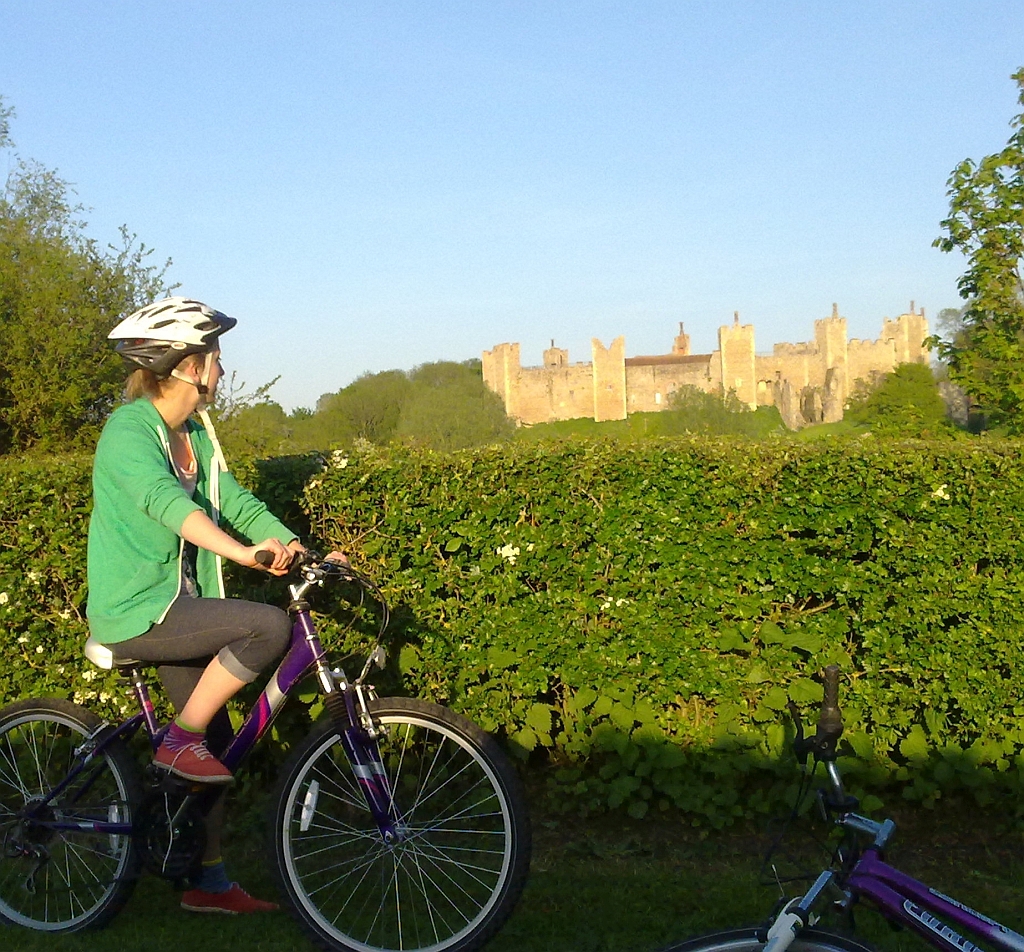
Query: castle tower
736, 349
501, 368
831, 341
907, 334
609, 370
556, 356
681, 344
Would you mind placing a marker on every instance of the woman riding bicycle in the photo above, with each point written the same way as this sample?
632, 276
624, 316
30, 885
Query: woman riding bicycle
161, 491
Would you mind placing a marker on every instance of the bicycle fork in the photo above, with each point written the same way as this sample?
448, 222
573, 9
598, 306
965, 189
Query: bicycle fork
359, 739
795, 915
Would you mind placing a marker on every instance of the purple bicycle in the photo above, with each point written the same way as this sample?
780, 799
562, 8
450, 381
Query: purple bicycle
396, 824
858, 871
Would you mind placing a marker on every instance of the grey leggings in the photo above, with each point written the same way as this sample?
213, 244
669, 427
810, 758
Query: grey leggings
244, 636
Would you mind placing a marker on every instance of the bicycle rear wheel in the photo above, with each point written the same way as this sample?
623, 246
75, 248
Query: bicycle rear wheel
456, 872
62, 880
745, 940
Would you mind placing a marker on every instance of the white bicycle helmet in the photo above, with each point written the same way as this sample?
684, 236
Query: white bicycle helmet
162, 334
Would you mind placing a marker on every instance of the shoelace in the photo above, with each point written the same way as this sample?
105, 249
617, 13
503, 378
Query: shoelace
200, 751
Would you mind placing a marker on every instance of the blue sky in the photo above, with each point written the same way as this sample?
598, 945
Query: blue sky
376, 185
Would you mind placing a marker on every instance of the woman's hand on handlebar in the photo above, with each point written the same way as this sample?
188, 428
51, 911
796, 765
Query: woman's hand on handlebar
335, 556
296, 547
270, 555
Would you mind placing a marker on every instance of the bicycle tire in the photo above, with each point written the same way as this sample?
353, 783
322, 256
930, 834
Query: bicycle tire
59, 880
746, 940
442, 888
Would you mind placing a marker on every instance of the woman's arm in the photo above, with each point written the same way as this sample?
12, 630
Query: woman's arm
199, 529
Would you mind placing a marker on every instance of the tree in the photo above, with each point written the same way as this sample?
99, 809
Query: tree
60, 294
949, 324
986, 223
368, 408
261, 429
905, 402
449, 407
692, 410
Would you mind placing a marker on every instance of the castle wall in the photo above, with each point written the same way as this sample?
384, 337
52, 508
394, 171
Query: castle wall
801, 369
868, 357
809, 382
563, 393
650, 385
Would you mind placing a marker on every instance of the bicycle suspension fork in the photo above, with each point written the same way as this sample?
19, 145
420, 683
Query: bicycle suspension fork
347, 705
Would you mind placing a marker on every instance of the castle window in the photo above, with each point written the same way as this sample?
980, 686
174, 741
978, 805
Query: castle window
657, 399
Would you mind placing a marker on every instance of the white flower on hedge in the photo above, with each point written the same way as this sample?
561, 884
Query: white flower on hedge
39, 649
89, 675
338, 459
509, 552
4, 598
33, 576
941, 493
64, 614
23, 640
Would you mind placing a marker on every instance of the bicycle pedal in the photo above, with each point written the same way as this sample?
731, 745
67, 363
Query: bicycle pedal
163, 781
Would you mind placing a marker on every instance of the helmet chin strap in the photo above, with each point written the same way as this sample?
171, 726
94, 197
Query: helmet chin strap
203, 384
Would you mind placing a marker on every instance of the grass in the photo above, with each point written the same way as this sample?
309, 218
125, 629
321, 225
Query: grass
606, 884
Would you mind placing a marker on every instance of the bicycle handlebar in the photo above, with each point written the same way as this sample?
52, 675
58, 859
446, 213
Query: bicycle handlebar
830, 722
830, 718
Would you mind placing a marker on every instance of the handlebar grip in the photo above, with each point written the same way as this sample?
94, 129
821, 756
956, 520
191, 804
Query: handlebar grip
830, 720
265, 557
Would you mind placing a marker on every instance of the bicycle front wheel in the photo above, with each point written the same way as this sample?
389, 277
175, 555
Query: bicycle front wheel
62, 880
745, 940
451, 878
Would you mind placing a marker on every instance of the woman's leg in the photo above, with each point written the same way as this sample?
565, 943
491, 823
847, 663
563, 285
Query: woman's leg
211, 887
215, 688
179, 681
239, 638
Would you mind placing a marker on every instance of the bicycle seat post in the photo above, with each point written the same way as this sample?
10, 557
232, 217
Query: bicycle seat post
132, 673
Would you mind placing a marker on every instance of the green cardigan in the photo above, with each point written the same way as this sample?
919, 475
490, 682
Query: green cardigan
135, 549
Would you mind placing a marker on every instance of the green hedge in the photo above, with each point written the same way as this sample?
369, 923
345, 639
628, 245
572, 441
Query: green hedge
644, 611
638, 615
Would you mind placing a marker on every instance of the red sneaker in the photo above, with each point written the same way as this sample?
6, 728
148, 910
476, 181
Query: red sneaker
193, 762
236, 901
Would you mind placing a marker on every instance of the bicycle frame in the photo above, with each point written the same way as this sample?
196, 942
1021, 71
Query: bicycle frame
905, 900
305, 654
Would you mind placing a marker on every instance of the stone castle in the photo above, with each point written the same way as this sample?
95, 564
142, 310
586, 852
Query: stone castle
808, 382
